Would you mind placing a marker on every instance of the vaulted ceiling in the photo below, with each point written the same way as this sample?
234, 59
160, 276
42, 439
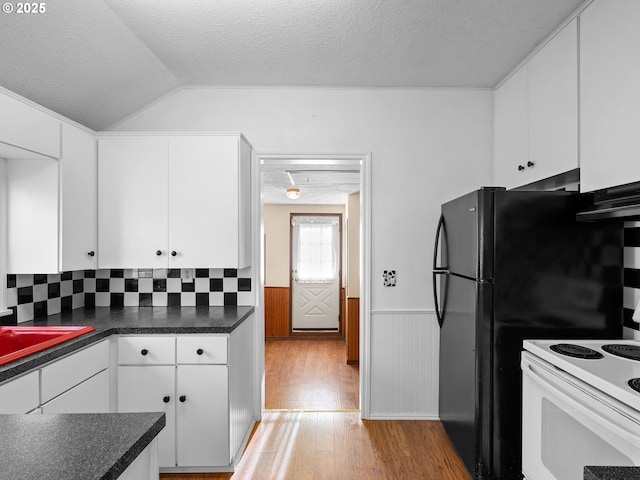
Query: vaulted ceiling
97, 61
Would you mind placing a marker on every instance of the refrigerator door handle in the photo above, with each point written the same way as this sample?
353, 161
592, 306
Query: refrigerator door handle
436, 300
440, 232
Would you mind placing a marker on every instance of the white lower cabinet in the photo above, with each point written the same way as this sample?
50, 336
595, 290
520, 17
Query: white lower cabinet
91, 396
202, 420
21, 395
151, 389
193, 391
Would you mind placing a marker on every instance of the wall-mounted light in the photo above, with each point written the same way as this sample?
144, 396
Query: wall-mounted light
293, 193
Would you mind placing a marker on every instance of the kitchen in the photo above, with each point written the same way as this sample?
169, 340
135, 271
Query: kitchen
427, 146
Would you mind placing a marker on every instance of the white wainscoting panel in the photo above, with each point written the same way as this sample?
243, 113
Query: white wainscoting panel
404, 365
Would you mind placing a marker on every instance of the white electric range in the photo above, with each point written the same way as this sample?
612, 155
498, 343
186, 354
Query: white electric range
581, 406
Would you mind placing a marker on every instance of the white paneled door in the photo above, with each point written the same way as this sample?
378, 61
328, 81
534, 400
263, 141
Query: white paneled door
315, 272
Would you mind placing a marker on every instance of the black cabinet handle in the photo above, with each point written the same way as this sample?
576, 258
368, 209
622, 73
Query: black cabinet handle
91, 253
183, 398
173, 253
166, 399
144, 351
200, 351
158, 252
520, 168
530, 164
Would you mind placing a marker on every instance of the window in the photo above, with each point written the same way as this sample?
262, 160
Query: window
317, 253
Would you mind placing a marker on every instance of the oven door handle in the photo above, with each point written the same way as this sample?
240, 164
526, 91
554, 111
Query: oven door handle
543, 375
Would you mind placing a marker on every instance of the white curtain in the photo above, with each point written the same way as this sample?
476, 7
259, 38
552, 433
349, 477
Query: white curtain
317, 248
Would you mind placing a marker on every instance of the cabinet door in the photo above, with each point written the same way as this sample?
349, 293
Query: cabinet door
202, 416
609, 94
203, 201
511, 133
553, 105
25, 130
91, 396
151, 389
21, 395
78, 200
132, 202
32, 216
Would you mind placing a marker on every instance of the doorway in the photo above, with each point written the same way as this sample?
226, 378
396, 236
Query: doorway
265, 163
316, 273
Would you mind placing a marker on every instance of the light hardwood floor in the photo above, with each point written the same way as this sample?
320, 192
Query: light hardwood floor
325, 444
309, 375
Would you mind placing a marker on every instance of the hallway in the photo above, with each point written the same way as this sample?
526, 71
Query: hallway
309, 375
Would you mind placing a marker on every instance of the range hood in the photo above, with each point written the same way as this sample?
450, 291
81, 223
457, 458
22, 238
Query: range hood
614, 204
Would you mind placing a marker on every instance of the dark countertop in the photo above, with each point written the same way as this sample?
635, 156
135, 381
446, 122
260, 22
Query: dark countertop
129, 320
611, 473
74, 446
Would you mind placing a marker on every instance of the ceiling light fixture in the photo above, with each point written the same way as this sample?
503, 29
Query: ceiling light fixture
293, 193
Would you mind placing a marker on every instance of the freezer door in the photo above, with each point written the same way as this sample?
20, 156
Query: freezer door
461, 369
468, 240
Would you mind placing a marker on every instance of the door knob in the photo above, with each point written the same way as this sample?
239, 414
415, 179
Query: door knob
530, 164
158, 252
91, 253
173, 253
199, 351
144, 351
520, 167
183, 398
166, 399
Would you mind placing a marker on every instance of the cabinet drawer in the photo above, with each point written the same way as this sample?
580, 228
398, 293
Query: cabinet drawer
91, 396
19, 395
146, 350
70, 371
210, 349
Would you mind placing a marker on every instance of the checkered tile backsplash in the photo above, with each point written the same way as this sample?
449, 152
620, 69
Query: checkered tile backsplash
35, 296
631, 272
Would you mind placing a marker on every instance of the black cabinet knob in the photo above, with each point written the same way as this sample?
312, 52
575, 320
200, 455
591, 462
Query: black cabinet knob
158, 252
166, 399
520, 167
144, 351
173, 253
183, 398
200, 351
530, 164
91, 253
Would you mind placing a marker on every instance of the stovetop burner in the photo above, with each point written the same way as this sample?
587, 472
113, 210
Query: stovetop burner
631, 352
576, 351
634, 383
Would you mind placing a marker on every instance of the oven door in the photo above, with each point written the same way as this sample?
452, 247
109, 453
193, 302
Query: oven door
567, 424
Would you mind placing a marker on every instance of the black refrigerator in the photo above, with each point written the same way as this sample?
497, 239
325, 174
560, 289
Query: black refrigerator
509, 266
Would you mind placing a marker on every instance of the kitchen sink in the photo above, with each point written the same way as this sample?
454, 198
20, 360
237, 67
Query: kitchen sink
19, 342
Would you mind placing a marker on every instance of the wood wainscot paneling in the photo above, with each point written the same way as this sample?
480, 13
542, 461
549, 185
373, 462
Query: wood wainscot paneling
277, 309
352, 333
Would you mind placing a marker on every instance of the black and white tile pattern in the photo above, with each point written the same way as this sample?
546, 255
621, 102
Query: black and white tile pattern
631, 272
168, 287
36, 296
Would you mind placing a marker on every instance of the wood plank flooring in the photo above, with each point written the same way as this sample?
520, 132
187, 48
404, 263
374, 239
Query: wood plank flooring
310, 375
325, 444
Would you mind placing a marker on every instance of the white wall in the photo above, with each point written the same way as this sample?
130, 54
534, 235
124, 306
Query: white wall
427, 146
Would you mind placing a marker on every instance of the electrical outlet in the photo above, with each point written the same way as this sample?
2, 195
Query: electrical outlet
187, 275
389, 278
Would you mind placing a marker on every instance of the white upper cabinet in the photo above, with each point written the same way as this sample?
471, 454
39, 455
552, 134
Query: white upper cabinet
536, 115
609, 94
78, 200
132, 202
553, 105
26, 132
511, 130
177, 201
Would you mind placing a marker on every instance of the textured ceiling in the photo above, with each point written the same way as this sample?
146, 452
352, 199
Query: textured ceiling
97, 61
321, 182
